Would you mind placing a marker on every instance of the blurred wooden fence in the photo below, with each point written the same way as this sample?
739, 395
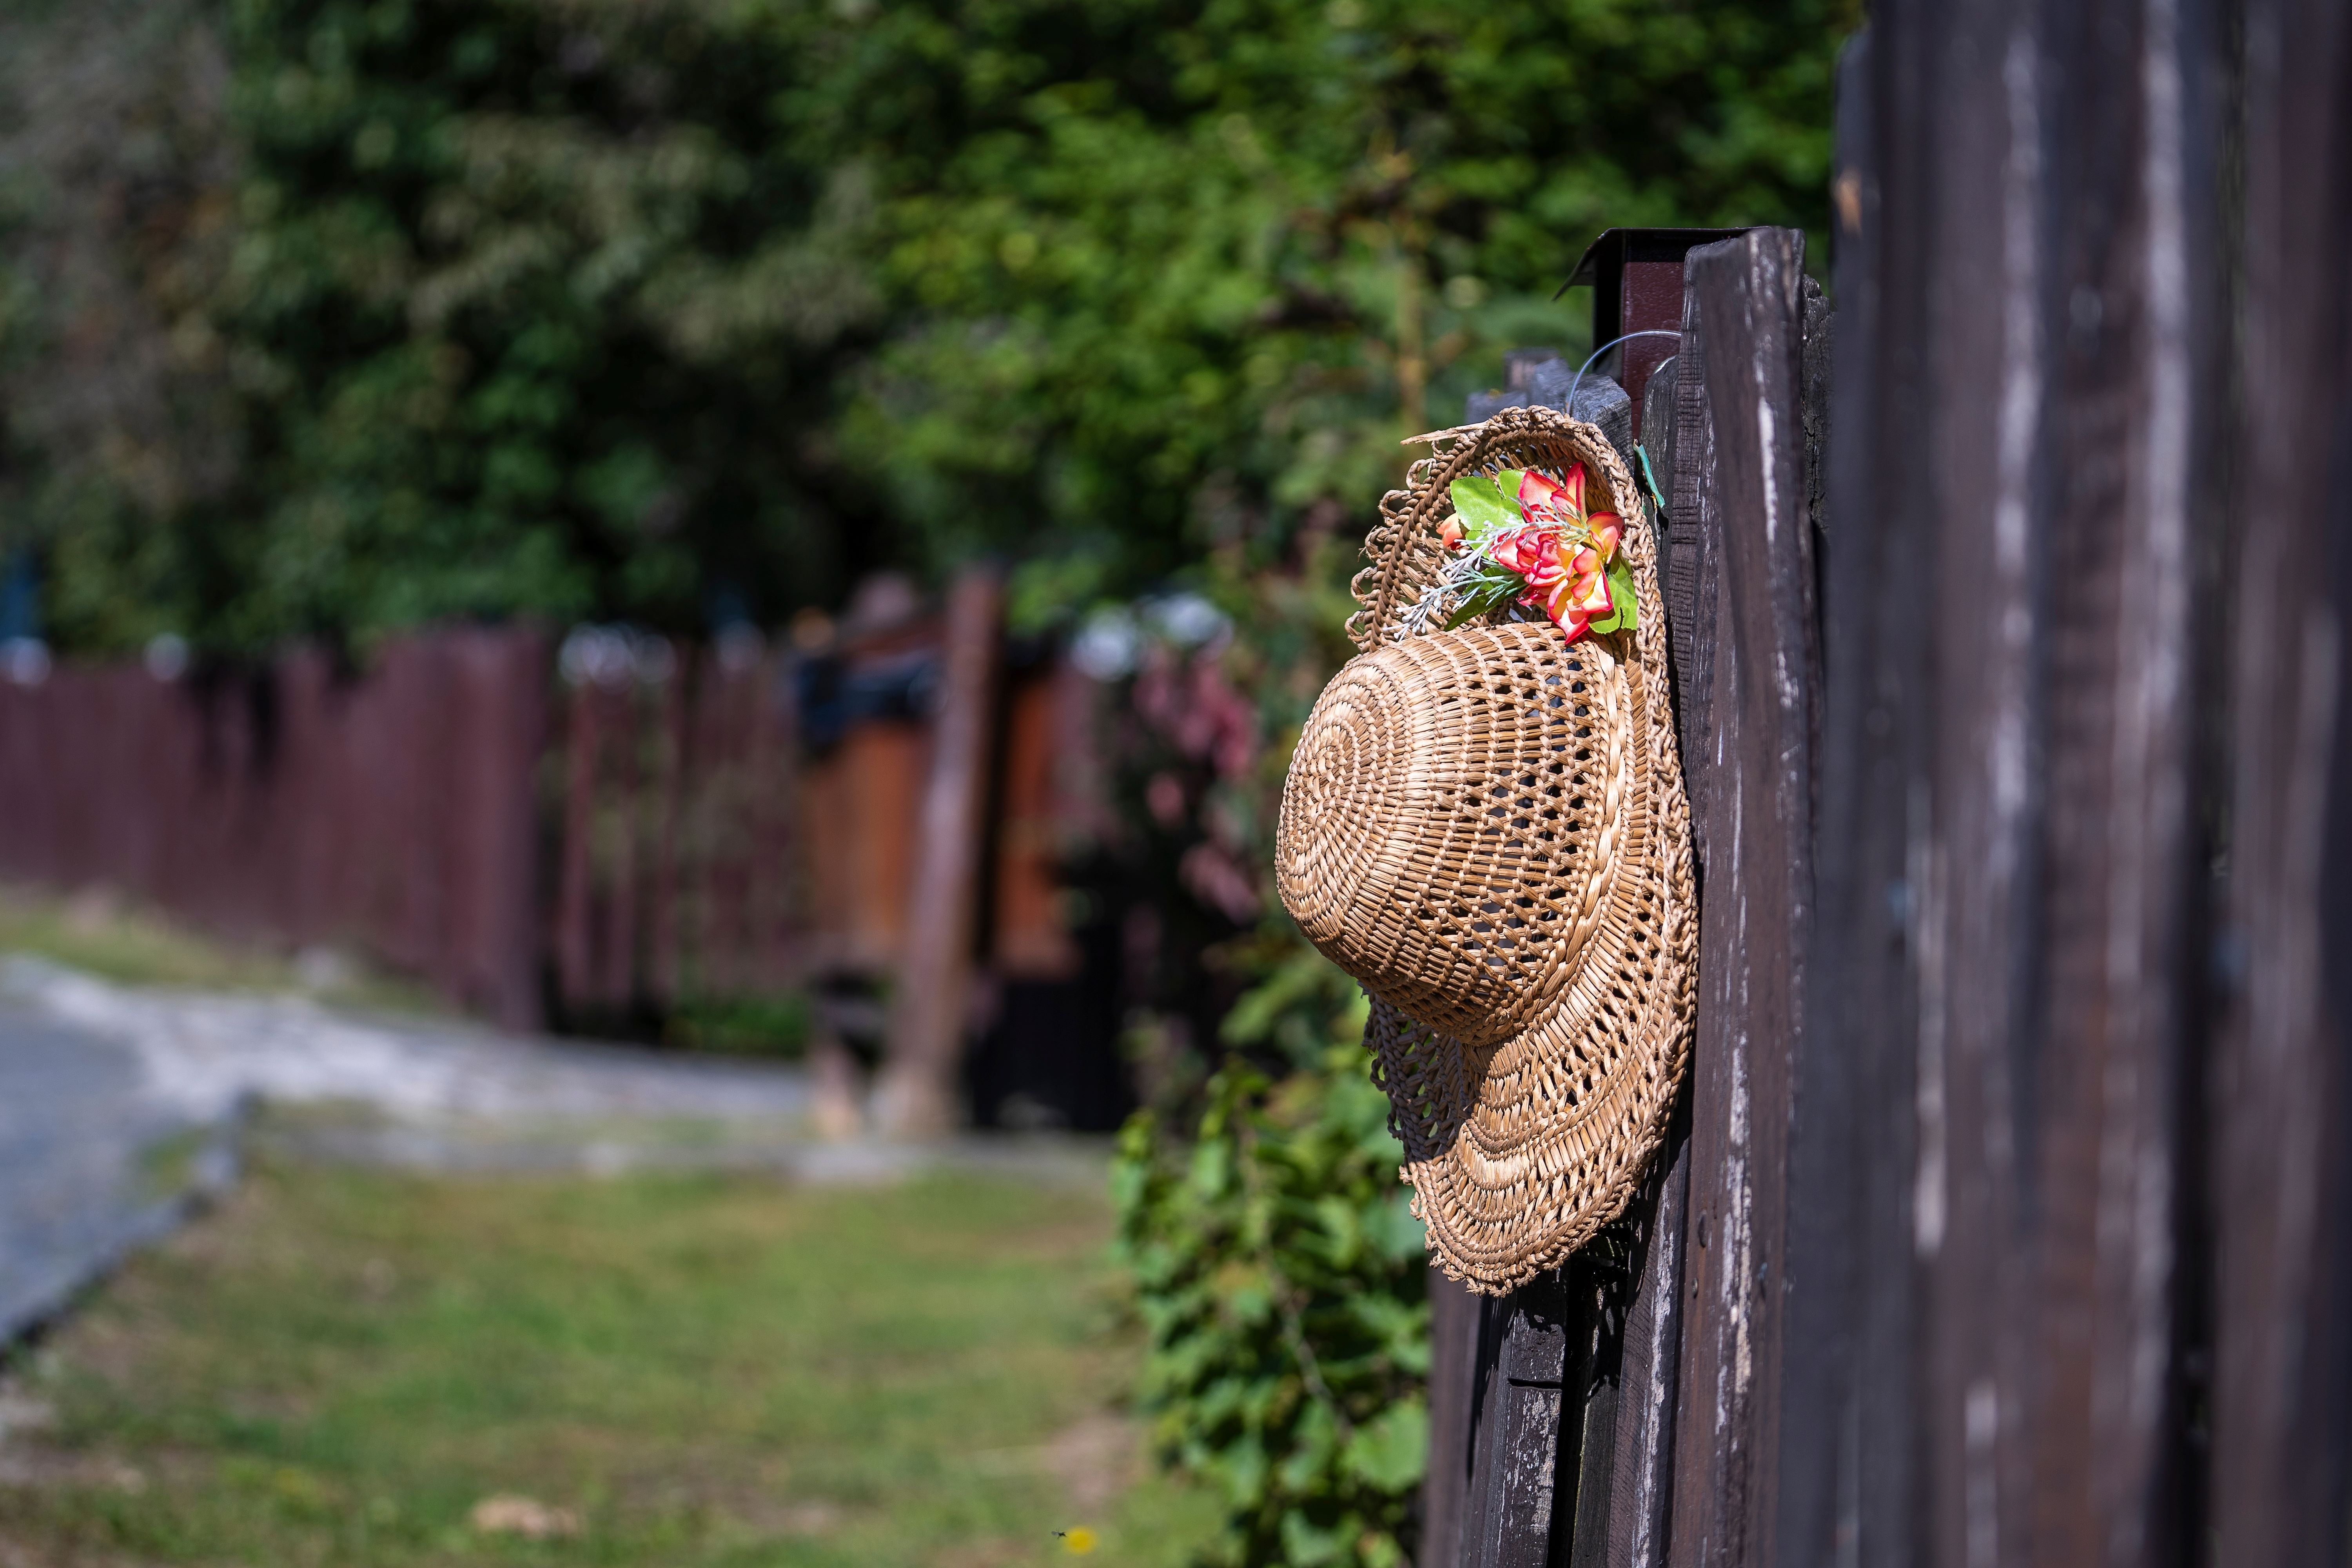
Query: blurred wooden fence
674, 786
605, 831
298, 803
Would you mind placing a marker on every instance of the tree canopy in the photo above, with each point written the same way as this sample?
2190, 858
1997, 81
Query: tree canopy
688, 310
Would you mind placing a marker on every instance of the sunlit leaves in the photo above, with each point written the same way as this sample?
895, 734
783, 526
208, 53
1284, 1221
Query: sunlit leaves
1281, 1279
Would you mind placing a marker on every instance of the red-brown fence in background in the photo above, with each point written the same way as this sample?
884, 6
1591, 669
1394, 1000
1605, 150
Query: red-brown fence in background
677, 866
392, 810
704, 851
637, 821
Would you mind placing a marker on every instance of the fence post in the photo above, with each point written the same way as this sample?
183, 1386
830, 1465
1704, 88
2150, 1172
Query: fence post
915, 1096
2018, 609
1749, 717
2283, 1088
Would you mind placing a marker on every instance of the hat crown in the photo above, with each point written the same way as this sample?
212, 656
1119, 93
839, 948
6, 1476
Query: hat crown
1456, 813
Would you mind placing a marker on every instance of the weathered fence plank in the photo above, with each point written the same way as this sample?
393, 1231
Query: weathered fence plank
1748, 753
1856, 1172
2008, 957
1522, 1371
2283, 1089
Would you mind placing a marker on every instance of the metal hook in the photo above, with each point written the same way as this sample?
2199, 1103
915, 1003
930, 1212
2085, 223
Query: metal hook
1604, 348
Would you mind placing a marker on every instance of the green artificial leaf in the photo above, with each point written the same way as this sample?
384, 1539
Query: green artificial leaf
1484, 598
1485, 508
1621, 602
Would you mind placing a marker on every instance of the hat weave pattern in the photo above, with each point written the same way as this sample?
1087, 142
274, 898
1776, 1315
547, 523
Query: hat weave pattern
1486, 827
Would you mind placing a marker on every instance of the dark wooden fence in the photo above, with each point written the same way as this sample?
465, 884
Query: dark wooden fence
301, 803
678, 823
2011, 1221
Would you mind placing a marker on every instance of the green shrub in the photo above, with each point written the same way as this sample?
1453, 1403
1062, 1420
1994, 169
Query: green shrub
1280, 1274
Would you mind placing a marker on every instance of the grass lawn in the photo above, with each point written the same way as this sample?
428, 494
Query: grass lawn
122, 941
347, 1367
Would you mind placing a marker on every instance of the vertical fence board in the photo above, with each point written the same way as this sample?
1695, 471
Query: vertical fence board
2283, 1190
302, 803
1751, 751
1876, 731
2007, 973
1640, 1472
1515, 1470
927, 1025
1846, 1457
1454, 1313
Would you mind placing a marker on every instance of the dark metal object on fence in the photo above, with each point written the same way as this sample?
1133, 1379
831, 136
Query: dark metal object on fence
1636, 276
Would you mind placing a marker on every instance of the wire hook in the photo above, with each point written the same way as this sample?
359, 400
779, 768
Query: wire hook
1604, 348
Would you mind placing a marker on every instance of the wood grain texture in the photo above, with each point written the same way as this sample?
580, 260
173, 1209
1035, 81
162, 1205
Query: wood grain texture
1455, 1343
1689, 589
1849, 1429
1624, 1470
2283, 1088
1749, 743
1523, 1364
2008, 959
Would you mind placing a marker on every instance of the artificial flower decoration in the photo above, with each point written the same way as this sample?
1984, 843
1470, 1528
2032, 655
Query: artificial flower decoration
1525, 538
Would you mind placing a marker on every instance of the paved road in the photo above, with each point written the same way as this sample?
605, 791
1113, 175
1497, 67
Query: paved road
119, 1108
91, 1165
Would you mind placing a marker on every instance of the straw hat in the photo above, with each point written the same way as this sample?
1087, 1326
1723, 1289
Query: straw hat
1486, 827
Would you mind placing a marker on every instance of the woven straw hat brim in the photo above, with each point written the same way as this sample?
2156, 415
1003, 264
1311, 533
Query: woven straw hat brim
1487, 828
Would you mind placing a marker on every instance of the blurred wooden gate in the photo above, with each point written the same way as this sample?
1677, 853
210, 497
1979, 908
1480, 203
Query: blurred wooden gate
678, 802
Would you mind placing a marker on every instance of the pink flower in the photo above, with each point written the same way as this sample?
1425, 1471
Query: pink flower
1562, 499
1562, 552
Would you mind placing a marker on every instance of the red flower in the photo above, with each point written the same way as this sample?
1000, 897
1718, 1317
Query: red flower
1539, 554
1562, 498
1561, 553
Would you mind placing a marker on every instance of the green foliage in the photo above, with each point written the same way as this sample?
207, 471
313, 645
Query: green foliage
671, 309
1187, 294
1277, 1264
1280, 1274
118, 444
740, 1026
545, 304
